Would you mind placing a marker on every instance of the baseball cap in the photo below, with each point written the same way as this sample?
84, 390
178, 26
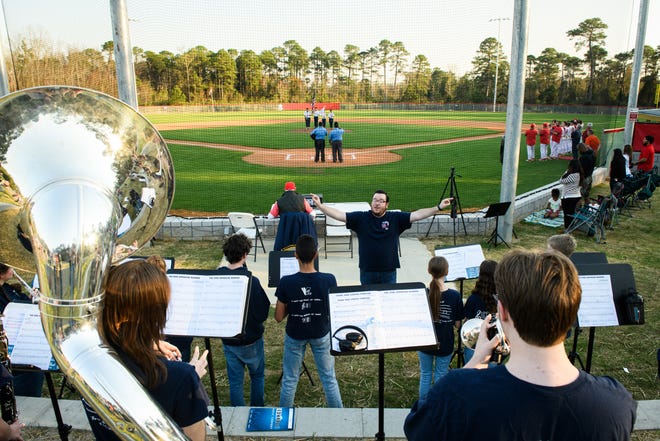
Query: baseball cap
590, 124
289, 186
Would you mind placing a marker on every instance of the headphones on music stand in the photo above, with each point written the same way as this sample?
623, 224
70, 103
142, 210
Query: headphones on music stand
353, 340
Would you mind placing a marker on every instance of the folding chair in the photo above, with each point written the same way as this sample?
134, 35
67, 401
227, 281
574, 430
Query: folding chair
335, 229
591, 220
246, 223
643, 196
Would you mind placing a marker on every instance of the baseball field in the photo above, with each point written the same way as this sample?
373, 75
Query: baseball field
239, 161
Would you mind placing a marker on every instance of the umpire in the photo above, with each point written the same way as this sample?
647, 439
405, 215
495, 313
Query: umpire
318, 135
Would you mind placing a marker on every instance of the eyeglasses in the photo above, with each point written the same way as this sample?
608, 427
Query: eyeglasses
380, 201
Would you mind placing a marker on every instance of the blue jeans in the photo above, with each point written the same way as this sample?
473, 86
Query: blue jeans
238, 357
376, 277
427, 374
294, 354
467, 354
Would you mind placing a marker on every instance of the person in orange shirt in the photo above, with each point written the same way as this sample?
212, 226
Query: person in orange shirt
530, 135
593, 142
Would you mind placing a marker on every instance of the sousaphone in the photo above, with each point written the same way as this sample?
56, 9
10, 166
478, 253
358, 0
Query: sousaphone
85, 181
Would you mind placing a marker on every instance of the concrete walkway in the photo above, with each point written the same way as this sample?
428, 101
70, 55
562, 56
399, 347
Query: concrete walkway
309, 422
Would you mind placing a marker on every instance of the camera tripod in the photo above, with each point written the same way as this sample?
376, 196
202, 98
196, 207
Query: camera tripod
455, 204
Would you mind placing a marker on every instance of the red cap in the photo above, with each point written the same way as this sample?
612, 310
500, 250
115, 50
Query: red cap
289, 186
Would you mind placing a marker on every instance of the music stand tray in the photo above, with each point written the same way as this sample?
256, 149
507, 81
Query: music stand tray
497, 210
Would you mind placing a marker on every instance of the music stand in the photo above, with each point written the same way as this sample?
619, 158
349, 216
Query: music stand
622, 281
497, 210
375, 312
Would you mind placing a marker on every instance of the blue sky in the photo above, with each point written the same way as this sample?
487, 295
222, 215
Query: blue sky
448, 32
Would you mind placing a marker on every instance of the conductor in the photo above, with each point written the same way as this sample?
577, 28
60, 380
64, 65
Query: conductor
378, 231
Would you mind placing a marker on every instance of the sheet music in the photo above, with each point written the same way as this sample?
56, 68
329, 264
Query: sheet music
27, 341
207, 305
463, 261
597, 305
392, 319
288, 266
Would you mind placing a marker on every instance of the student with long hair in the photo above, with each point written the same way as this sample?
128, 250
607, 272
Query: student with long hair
132, 319
617, 171
447, 310
482, 300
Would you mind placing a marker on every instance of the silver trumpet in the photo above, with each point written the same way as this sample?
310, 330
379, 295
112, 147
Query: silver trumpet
470, 334
71, 164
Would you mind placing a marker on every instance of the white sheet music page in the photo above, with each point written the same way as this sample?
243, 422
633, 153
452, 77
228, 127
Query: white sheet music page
463, 261
288, 266
392, 319
207, 305
597, 305
27, 341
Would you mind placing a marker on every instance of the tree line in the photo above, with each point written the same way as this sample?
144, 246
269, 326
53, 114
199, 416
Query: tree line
386, 72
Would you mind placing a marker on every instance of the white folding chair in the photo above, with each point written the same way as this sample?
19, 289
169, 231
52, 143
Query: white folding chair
335, 229
246, 223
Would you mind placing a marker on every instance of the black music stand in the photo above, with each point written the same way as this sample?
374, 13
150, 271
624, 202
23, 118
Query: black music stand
414, 296
207, 328
497, 210
623, 282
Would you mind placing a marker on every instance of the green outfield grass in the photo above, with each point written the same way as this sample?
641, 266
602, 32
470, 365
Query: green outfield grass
293, 135
217, 181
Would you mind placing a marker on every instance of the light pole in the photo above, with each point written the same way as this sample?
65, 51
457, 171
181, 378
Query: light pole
497, 62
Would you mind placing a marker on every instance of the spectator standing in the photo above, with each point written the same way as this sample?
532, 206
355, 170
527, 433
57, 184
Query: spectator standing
593, 142
378, 232
588, 131
337, 142
530, 139
318, 135
628, 156
447, 311
576, 137
617, 171
572, 181
303, 298
588, 163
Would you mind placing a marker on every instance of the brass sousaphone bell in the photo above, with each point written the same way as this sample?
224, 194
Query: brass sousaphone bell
85, 181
